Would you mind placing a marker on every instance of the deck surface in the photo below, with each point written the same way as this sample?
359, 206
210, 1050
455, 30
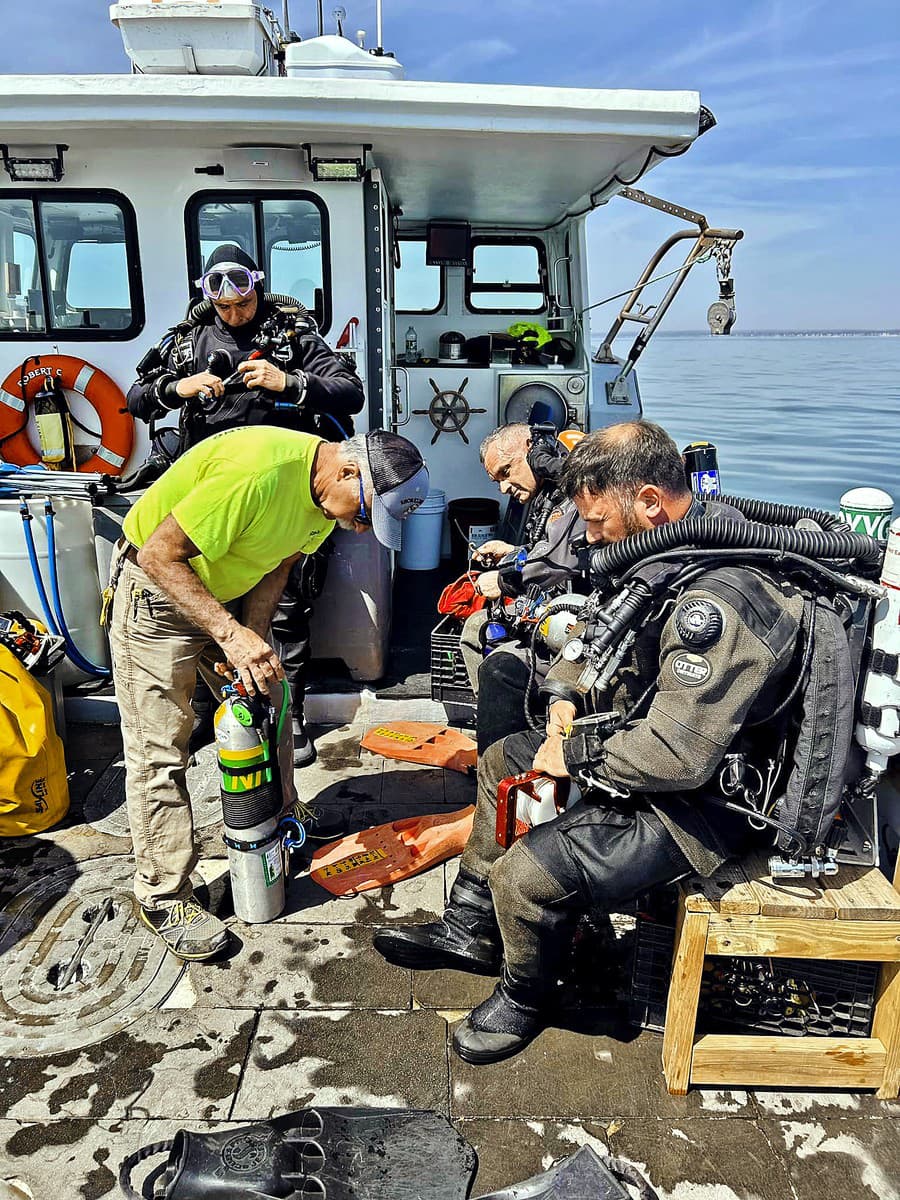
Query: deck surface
303, 1011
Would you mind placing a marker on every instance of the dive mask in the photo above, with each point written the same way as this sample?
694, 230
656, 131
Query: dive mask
228, 282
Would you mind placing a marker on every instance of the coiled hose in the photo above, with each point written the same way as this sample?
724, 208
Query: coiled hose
612, 560
770, 513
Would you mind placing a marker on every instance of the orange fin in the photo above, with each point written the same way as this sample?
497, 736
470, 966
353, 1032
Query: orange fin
423, 742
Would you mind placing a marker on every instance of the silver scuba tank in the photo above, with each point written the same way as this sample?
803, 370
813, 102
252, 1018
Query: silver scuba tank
247, 730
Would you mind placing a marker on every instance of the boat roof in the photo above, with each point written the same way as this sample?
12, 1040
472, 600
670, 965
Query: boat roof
436, 144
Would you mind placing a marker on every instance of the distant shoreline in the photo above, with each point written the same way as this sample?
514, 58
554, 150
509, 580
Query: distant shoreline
785, 333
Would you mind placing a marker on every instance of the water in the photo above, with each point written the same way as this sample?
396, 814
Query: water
795, 419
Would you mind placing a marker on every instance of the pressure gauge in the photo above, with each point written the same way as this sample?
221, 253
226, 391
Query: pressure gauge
573, 649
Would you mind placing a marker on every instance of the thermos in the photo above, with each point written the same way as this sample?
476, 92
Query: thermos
247, 729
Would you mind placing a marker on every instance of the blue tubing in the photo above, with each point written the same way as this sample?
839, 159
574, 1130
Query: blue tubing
77, 658
25, 514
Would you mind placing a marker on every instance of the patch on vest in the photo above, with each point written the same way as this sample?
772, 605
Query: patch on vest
692, 669
699, 623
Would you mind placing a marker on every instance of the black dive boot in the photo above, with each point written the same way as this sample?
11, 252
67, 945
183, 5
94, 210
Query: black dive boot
466, 938
512, 1016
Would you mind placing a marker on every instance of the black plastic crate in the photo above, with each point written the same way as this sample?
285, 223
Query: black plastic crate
788, 996
449, 677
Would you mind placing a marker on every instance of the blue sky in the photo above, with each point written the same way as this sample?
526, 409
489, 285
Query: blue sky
804, 159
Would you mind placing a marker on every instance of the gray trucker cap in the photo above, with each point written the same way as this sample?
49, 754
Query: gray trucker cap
400, 480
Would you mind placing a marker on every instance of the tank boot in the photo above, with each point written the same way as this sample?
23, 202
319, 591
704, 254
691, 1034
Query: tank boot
466, 938
512, 1016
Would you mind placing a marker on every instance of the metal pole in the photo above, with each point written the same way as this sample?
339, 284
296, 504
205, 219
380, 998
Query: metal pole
321, 18
379, 32
286, 16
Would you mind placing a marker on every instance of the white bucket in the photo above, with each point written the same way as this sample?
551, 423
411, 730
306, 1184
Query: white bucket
421, 547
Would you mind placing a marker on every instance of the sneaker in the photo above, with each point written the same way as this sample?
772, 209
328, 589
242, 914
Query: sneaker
187, 929
304, 746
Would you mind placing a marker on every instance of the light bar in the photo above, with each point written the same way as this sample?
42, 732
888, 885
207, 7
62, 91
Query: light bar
336, 164
34, 164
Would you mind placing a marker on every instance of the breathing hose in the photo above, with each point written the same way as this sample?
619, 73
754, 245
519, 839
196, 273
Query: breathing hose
771, 513
612, 560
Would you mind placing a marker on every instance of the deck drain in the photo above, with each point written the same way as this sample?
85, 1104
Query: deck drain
76, 965
104, 805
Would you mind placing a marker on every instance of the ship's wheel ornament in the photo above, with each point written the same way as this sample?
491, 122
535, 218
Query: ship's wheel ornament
448, 411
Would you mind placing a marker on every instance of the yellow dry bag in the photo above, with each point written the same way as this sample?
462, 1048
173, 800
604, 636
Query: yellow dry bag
34, 793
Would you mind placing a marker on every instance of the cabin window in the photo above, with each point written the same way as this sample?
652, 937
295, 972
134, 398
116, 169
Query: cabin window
68, 266
286, 233
507, 275
418, 287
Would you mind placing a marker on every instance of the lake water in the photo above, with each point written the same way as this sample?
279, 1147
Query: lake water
796, 419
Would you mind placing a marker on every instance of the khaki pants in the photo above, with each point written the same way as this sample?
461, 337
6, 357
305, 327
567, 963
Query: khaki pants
156, 655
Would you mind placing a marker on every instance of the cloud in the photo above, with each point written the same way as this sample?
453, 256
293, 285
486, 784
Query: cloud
719, 45
458, 62
848, 60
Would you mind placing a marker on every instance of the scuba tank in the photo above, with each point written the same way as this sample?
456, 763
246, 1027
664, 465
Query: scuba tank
247, 731
54, 426
878, 729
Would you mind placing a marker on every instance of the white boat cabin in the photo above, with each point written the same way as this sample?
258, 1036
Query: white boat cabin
385, 205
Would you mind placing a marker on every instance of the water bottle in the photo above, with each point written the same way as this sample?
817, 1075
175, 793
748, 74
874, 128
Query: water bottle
412, 346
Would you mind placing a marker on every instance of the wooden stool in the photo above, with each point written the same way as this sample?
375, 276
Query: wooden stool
854, 916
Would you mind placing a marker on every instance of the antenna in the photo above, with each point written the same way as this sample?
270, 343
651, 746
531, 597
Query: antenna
321, 18
340, 16
379, 31
286, 16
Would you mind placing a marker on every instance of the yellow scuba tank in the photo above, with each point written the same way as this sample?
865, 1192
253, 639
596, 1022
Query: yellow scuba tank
54, 426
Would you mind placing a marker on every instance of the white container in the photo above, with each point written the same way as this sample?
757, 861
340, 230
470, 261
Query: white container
77, 568
196, 37
352, 618
333, 57
422, 530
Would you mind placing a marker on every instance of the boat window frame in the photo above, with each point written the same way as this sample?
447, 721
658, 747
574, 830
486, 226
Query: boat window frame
541, 288
256, 197
442, 298
132, 259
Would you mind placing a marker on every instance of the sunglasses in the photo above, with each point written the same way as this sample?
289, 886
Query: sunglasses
362, 517
239, 280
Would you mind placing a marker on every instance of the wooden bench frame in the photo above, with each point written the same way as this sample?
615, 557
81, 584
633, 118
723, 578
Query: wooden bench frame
854, 916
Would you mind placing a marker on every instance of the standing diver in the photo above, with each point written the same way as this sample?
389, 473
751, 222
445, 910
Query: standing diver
242, 357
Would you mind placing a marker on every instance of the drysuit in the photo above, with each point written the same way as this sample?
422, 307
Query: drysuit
545, 564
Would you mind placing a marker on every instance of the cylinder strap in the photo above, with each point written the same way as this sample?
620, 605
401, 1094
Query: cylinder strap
234, 844
883, 663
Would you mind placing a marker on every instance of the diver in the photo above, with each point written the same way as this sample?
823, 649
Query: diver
710, 675
241, 358
526, 462
205, 556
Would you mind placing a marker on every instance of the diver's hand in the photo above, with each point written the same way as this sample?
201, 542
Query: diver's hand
252, 657
204, 382
488, 584
549, 758
561, 715
258, 373
490, 551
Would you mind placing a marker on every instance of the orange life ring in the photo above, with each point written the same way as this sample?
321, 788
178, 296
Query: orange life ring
74, 374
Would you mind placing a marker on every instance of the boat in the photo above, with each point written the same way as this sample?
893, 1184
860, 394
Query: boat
398, 212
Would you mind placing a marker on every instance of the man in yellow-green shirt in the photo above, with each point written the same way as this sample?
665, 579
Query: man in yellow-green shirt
197, 577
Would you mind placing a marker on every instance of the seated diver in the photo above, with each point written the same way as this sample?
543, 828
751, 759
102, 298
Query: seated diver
526, 463
710, 674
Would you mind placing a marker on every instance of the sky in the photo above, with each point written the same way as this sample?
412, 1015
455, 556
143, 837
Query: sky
805, 157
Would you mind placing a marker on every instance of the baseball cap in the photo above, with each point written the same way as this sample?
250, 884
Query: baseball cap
400, 480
